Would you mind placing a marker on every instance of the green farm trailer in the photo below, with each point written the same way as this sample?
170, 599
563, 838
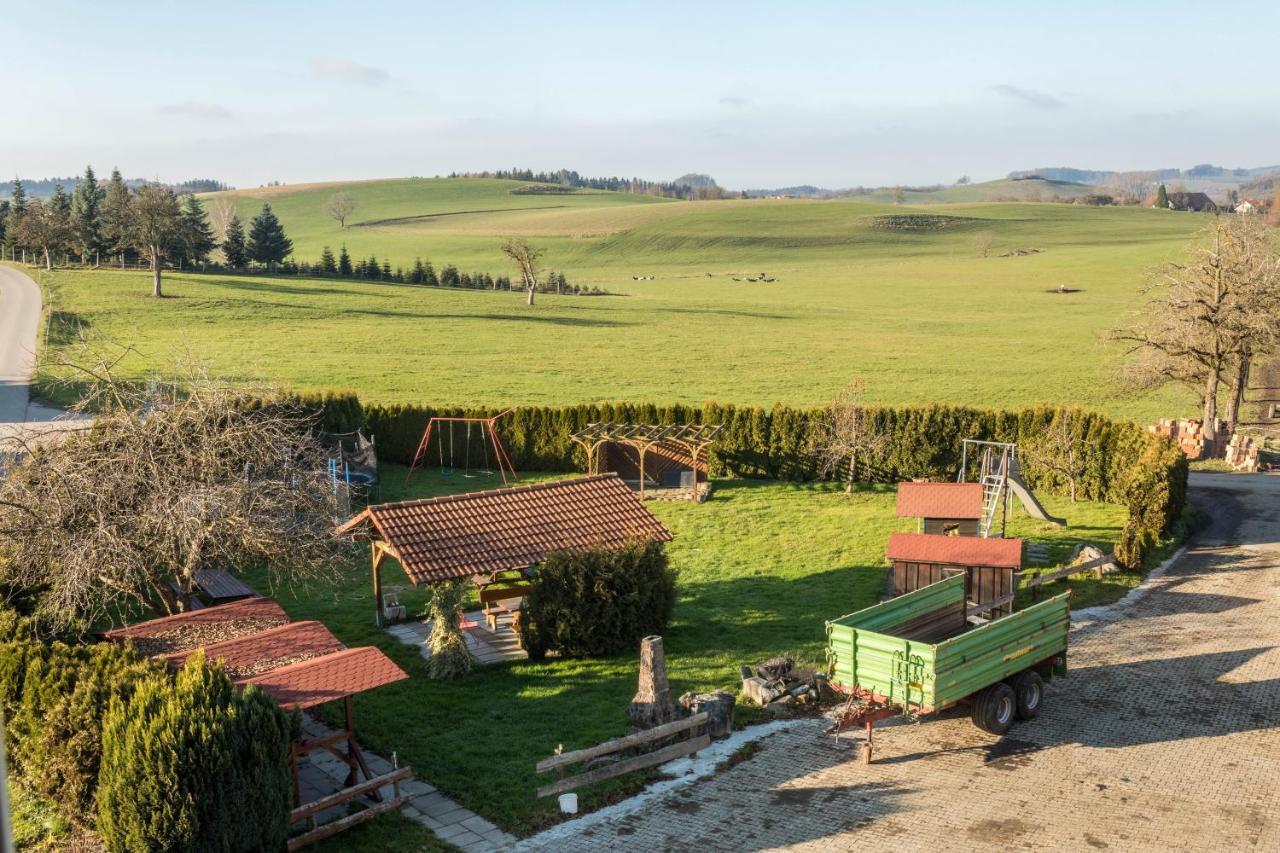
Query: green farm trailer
919, 653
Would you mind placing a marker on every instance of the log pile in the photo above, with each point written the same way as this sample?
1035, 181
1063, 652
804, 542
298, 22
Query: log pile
779, 686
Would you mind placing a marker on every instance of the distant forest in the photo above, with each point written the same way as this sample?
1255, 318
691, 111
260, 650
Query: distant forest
44, 188
691, 186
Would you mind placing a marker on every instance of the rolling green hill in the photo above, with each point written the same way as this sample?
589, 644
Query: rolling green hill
1003, 190
894, 294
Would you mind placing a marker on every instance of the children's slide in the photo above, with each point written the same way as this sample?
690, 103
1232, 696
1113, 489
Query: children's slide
1019, 487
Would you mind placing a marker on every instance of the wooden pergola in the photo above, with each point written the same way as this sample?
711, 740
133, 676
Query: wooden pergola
691, 439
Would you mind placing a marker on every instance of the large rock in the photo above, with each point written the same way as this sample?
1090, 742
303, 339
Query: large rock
759, 691
718, 706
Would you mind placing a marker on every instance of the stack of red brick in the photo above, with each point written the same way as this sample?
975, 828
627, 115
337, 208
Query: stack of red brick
1242, 452
1188, 433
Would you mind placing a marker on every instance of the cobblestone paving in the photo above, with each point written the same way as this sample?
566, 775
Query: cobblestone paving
1165, 736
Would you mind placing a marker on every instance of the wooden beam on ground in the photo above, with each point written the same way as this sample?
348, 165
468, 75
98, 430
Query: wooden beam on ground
333, 828
306, 810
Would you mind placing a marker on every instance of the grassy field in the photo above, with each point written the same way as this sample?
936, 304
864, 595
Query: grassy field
762, 566
893, 294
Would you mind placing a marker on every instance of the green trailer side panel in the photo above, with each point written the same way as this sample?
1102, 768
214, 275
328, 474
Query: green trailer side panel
991, 653
863, 649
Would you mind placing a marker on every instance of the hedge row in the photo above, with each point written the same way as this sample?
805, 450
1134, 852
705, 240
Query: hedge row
1121, 462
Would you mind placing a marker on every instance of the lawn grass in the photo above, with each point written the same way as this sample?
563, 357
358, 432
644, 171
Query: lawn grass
762, 566
912, 311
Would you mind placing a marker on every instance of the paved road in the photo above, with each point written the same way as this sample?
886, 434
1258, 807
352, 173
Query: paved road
19, 325
1166, 736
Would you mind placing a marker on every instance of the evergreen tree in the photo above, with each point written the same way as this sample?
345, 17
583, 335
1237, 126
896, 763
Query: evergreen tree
449, 276
418, 272
4, 223
233, 247
1162, 198
267, 242
429, 275
86, 215
399, 276
116, 204
386, 271
344, 262
328, 266
195, 233
17, 207
371, 268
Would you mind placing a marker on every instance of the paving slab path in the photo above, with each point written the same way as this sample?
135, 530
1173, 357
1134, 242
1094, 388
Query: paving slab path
1165, 736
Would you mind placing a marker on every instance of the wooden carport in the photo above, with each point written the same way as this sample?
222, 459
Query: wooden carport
690, 440
497, 535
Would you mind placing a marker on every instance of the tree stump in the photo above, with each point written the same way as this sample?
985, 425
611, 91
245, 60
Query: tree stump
653, 705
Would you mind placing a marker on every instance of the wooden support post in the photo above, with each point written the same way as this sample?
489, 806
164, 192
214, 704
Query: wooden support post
378, 554
643, 450
693, 494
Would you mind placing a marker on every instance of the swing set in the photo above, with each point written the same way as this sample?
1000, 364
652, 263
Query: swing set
444, 430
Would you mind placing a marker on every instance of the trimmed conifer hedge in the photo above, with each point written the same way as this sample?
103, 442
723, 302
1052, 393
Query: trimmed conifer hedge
1123, 463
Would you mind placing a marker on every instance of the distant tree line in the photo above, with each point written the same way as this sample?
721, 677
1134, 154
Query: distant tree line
44, 187
684, 189
424, 273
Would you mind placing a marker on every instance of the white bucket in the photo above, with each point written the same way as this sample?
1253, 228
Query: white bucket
569, 803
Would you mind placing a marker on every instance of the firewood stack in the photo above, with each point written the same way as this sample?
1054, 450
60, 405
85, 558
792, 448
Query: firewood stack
777, 685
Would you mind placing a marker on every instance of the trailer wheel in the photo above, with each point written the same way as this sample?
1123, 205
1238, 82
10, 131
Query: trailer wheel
995, 708
1028, 688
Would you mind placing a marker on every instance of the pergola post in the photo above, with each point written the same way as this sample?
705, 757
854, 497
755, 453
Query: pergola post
693, 456
379, 551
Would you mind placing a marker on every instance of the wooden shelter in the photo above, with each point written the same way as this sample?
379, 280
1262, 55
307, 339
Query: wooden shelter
664, 447
990, 566
489, 536
299, 664
943, 508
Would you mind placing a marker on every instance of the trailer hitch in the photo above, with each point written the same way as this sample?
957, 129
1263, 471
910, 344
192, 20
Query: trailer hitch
863, 708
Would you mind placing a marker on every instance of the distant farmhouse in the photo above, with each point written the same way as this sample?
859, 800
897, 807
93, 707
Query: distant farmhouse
1251, 205
1198, 202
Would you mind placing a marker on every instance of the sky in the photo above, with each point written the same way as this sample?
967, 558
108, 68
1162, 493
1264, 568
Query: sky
757, 95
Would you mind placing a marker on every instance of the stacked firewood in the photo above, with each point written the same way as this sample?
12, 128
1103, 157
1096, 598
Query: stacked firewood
778, 684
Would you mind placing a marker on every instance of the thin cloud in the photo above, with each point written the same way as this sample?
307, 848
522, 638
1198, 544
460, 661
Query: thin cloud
197, 109
733, 101
347, 71
1029, 97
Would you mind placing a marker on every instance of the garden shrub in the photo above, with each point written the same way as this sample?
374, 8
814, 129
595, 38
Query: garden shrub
450, 657
597, 602
55, 698
193, 764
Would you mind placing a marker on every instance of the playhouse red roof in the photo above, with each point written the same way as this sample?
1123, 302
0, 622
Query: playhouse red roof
954, 550
940, 500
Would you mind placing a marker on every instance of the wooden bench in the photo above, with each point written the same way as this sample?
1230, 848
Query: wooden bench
497, 600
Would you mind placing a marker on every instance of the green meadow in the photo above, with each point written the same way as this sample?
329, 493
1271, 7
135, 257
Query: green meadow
895, 295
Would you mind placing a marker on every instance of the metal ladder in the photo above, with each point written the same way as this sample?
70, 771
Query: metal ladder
994, 484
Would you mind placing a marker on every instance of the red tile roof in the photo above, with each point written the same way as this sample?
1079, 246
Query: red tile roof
504, 529
955, 550
940, 500
258, 608
292, 639
319, 680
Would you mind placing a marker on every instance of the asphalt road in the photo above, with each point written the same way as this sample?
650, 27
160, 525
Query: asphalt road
19, 326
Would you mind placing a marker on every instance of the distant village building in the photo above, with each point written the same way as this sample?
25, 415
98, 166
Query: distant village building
1251, 205
1197, 202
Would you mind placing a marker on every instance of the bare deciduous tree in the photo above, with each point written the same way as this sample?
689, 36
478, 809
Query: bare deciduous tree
164, 484
982, 243
153, 227
1211, 315
525, 257
1058, 450
340, 206
221, 210
44, 227
846, 433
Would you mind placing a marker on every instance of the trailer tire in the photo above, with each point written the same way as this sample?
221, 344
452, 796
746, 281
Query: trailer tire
995, 708
1028, 688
